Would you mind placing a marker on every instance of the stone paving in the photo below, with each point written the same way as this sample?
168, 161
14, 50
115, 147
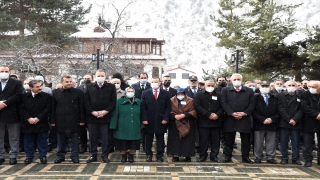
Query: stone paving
154, 170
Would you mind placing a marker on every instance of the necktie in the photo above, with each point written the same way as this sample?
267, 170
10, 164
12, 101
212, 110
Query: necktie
266, 99
34, 95
142, 87
237, 89
155, 94
194, 90
100, 85
166, 89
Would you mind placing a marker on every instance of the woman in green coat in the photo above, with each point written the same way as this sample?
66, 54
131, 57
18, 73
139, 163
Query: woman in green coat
126, 124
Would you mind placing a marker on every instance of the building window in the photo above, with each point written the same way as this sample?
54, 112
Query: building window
173, 75
185, 75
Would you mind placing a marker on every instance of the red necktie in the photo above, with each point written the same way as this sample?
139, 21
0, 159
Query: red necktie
100, 85
155, 94
237, 89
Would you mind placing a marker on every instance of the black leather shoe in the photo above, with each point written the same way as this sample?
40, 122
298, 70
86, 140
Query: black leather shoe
202, 159
226, 160
105, 160
188, 159
124, 158
75, 160
130, 158
215, 159
13, 161
159, 159
175, 159
92, 159
272, 161
2, 161
58, 160
28, 161
297, 162
149, 159
257, 161
284, 162
43, 160
247, 160
308, 164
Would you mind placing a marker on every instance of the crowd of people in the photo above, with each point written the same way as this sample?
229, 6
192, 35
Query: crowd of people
120, 117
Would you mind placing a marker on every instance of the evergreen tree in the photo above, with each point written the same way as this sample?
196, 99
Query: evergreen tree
260, 28
51, 21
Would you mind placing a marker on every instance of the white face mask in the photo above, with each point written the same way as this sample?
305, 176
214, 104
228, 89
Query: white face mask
130, 94
154, 85
236, 83
100, 79
180, 97
117, 86
278, 88
4, 75
26, 86
209, 89
264, 90
313, 90
291, 89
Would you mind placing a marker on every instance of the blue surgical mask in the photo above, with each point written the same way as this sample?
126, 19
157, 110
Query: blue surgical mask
143, 81
253, 88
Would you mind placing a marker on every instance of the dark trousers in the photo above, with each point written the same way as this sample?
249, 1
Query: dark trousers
308, 147
284, 140
52, 140
83, 136
160, 144
245, 144
41, 141
95, 130
209, 135
62, 140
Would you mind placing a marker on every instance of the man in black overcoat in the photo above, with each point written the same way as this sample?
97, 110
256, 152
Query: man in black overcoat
155, 110
310, 104
166, 81
193, 87
208, 106
238, 103
35, 110
100, 101
291, 115
67, 115
10, 93
140, 86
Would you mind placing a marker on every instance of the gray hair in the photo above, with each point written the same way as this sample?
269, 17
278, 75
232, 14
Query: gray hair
208, 81
236, 74
291, 81
311, 81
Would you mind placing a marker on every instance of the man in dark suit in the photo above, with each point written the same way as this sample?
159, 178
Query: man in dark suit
67, 114
291, 114
142, 85
100, 101
238, 103
265, 123
166, 81
310, 104
10, 93
193, 88
35, 110
87, 79
155, 110
208, 106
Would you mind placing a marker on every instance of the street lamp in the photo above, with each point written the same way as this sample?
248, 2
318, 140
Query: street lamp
98, 57
237, 57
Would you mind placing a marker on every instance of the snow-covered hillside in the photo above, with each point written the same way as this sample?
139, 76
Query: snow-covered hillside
185, 26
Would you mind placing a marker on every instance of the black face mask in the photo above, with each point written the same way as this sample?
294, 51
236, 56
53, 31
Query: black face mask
222, 84
305, 87
87, 82
166, 84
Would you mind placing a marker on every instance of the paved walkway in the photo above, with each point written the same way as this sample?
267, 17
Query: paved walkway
154, 170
